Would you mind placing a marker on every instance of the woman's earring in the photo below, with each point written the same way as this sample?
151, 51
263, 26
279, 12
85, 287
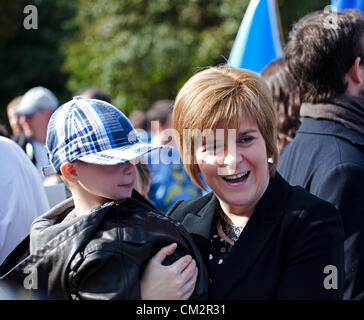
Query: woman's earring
270, 160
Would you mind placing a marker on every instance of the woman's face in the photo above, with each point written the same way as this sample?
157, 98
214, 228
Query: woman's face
238, 177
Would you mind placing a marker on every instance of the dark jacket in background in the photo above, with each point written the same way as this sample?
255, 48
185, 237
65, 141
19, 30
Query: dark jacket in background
327, 159
101, 255
281, 253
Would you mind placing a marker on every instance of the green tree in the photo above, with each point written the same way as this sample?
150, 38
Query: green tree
33, 57
292, 10
137, 50
140, 51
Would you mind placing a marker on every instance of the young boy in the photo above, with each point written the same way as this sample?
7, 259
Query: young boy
96, 245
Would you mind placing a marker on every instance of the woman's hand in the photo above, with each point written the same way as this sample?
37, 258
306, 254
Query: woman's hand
174, 282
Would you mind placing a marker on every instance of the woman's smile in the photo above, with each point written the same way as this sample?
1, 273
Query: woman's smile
237, 180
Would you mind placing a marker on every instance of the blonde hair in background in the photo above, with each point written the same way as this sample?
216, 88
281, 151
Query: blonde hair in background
223, 95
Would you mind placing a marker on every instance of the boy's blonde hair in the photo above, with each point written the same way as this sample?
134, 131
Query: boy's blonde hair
223, 95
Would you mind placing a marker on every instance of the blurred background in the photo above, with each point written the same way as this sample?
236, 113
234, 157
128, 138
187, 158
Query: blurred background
139, 51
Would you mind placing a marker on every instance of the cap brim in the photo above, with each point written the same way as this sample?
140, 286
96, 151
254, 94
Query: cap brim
114, 156
121, 155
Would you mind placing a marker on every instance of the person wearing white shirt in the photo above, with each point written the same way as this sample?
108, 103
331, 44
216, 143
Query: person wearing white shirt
22, 196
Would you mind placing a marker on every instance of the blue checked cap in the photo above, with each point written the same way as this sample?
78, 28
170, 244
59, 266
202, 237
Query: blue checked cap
92, 131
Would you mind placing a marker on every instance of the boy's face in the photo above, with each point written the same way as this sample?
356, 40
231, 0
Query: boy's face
112, 182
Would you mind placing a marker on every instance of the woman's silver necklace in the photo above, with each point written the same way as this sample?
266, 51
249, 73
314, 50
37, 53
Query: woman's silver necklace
233, 232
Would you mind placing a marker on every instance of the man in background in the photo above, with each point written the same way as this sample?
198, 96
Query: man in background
170, 181
325, 54
35, 110
14, 118
94, 93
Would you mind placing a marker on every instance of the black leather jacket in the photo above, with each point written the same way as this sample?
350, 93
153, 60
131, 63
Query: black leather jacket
101, 255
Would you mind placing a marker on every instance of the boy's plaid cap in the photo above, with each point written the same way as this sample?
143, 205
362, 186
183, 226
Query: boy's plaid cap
92, 131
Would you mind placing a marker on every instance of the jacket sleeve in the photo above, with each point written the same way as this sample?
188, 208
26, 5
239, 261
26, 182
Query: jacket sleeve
343, 187
104, 275
314, 267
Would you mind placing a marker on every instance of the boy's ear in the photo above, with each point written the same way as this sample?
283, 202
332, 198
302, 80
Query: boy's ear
69, 171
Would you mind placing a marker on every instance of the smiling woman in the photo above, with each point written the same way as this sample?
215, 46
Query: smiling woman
253, 218
245, 173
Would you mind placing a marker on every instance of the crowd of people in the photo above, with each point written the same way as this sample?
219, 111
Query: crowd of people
257, 191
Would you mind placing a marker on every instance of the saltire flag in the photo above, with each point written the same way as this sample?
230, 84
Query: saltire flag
258, 40
348, 4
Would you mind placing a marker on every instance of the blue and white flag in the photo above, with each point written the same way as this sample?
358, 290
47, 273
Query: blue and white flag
348, 4
258, 40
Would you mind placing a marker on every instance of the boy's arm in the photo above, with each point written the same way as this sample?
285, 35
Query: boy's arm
112, 275
104, 275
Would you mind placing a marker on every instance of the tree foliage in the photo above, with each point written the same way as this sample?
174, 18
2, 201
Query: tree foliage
141, 51
137, 50
33, 57
292, 10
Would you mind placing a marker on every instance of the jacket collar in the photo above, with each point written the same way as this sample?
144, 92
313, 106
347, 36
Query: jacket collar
250, 243
327, 127
198, 222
